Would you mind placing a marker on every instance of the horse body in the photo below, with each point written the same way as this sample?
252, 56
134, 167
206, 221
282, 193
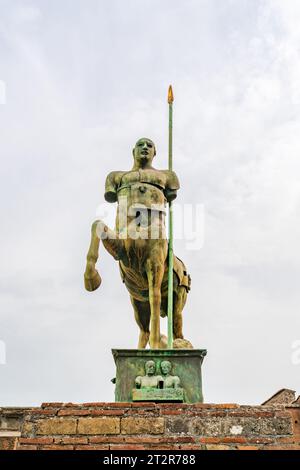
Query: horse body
143, 266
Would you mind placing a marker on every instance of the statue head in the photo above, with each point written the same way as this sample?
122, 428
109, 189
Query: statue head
150, 368
166, 367
144, 151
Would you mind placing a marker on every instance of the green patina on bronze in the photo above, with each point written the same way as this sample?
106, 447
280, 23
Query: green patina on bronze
186, 364
162, 387
152, 394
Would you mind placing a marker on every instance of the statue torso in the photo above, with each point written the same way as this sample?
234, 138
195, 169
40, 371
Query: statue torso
142, 188
149, 381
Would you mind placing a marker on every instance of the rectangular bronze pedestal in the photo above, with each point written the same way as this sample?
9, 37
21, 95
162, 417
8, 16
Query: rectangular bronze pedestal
186, 366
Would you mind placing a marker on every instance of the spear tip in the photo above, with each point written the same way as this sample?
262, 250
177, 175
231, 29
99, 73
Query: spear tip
170, 95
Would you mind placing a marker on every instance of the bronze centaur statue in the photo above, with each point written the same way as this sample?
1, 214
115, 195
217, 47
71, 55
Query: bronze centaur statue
140, 245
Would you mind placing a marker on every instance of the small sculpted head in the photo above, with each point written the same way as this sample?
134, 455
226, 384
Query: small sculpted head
144, 151
150, 367
166, 367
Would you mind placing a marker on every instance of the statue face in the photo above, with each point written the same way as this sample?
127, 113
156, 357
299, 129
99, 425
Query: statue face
166, 367
150, 367
144, 151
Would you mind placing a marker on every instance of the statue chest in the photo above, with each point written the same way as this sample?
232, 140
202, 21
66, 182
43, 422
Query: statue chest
143, 188
155, 177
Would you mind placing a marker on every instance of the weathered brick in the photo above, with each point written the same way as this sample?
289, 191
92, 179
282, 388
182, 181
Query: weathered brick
52, 405
227, 406
234, 439
150, 412
56, 447
92, 447
286, 440
7, 443
74, 440
190, 447
260, 440
160, 440
74, 412
170, 412
142, 425
248, 447
206, 414
95, 404
217, 447
282, 414
127, 447
251, 414
210, 440
215, 405
144, 404
44, 412
56, 426
107, 405
107, 439
176, 406
25, 447
36, 440
162, 447
72, 405
108, 412
281, 447
98, 425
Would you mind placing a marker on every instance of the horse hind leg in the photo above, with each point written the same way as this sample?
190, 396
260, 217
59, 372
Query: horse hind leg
179, 302
142, 317
179, 299
155, 271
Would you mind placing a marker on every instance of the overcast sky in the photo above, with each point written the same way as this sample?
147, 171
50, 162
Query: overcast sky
83, 80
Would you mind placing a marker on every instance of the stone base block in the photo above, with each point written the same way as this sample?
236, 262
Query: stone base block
132, 383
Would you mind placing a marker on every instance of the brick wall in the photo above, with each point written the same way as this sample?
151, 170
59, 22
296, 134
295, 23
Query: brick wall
11, 420
113, 426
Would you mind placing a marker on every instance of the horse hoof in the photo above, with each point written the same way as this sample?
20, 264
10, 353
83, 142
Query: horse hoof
181, 343
92, 283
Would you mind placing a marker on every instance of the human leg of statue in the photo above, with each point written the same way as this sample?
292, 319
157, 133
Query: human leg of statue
100, 231
92, 279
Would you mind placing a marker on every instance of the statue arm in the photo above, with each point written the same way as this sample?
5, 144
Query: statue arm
172, 185
110, 194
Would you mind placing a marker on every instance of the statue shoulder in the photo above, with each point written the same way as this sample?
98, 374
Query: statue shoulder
111, 184
115, 176
172, 181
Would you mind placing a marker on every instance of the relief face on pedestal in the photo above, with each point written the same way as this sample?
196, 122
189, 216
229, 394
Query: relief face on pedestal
158, 387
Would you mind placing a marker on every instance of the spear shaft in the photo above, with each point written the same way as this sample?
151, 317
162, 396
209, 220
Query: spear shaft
170, 251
